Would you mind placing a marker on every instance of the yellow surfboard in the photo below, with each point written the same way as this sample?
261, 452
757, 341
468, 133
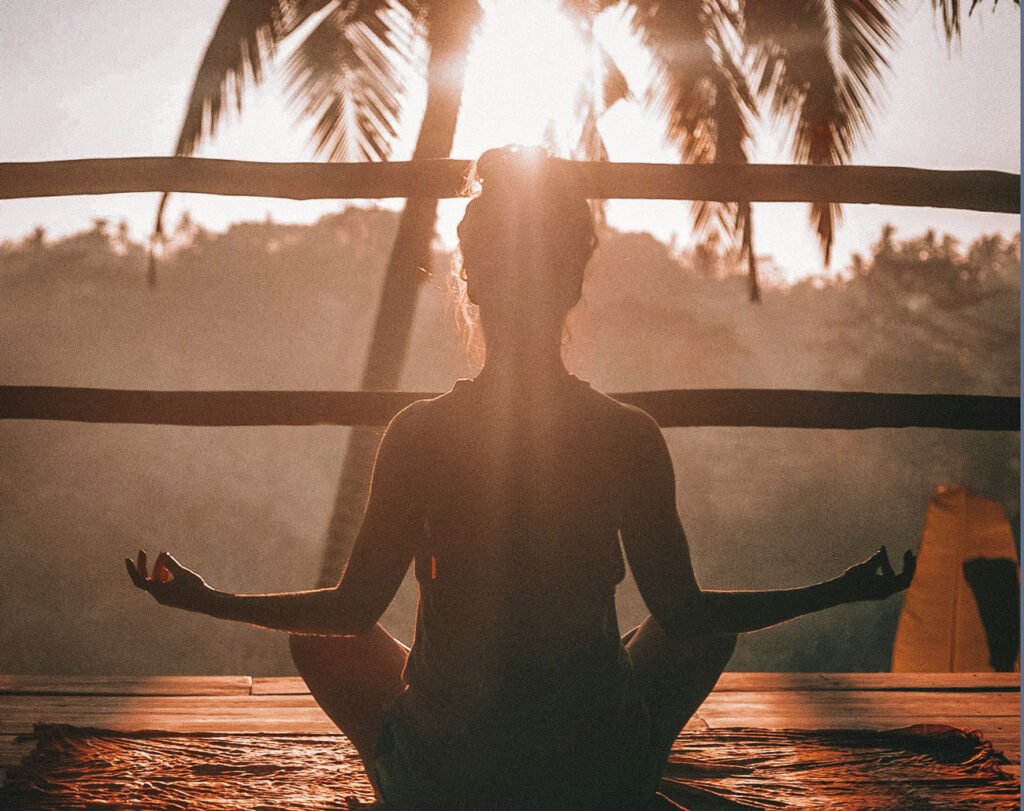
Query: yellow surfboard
962, 612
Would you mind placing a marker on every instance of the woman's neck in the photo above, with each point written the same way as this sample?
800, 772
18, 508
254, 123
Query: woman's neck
518, 365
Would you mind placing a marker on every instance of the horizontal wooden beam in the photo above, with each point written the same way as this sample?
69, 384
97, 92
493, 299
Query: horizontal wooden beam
979, 190
764, 408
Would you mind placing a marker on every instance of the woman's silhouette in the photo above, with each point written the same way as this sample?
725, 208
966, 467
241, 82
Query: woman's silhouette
514, 496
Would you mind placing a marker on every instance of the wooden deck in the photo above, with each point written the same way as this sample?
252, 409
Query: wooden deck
985, 701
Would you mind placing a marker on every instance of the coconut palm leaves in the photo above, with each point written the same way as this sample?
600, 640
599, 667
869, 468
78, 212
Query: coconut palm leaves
367, 42
448, 26
702, 93
819, 63
814, 64
246, 37
949, 12
347, 74
601, 87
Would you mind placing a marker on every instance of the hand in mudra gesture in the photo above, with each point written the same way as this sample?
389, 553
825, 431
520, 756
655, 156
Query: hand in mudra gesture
170, 583
875, 579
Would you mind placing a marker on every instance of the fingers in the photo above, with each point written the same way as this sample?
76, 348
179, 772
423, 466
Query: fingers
884, 563
171, 563
133, 573
138, 570
909, 567
165, 567
879, 562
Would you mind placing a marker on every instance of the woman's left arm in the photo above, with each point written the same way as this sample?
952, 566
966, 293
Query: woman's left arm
380, 557
745, 611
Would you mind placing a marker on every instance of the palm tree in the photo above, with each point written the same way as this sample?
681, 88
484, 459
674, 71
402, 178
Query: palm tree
349, 74
449, 27
814, 64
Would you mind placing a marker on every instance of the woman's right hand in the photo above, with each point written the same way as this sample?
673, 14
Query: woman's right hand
875, 579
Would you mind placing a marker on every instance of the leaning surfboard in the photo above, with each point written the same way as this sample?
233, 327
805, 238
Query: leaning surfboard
961, 613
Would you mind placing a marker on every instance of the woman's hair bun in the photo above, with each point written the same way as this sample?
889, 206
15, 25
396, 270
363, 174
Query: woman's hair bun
530, 205
511, 166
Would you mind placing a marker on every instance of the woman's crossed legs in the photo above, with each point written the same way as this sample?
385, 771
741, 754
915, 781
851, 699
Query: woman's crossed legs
355, 678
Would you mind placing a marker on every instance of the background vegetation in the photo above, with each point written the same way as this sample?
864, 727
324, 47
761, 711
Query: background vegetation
291, 307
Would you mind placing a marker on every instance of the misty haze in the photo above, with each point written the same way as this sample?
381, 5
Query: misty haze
269, 306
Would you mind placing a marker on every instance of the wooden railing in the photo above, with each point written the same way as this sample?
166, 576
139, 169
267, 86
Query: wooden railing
886, 185
766, 408
978, 190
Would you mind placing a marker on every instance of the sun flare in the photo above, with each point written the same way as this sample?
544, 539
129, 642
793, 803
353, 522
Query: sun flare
524, 75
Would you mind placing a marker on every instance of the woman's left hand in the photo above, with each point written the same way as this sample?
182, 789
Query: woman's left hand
170, 584
875, 579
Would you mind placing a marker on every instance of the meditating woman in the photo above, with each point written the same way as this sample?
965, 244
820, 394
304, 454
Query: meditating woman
514, 496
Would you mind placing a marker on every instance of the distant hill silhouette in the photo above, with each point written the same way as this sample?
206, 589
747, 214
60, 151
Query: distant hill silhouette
276, 306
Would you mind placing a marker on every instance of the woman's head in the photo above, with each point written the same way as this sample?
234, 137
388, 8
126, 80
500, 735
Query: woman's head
525, 239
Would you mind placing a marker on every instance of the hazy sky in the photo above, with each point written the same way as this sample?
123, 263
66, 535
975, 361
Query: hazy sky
92, 78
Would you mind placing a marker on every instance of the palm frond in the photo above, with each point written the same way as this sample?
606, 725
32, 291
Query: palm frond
683, 91
702, 93
347, 76
247, 35
614, 86
949, 11
819, 63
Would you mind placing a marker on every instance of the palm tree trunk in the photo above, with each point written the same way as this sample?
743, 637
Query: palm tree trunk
449, 34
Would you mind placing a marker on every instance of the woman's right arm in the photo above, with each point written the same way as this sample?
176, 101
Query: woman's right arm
381, 554
659, 557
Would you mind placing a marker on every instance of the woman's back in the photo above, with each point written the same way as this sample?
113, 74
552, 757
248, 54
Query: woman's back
520, 556
517, 655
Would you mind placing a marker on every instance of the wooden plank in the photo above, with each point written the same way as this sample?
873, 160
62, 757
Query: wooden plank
987, 702
126, 685
871, 702
979, 190
732, 681
765, 408
230, 713
960, 682
741, 707
993, 703
278, 686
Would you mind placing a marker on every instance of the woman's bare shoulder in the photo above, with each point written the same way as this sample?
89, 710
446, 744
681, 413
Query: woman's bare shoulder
627, 419
422, 415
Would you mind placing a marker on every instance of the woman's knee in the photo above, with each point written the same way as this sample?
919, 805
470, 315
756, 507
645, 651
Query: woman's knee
650, 641
721, 646
374, 658
708, 655
306, 649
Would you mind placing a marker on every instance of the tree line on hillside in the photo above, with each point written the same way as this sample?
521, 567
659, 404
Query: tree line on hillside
922, 313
